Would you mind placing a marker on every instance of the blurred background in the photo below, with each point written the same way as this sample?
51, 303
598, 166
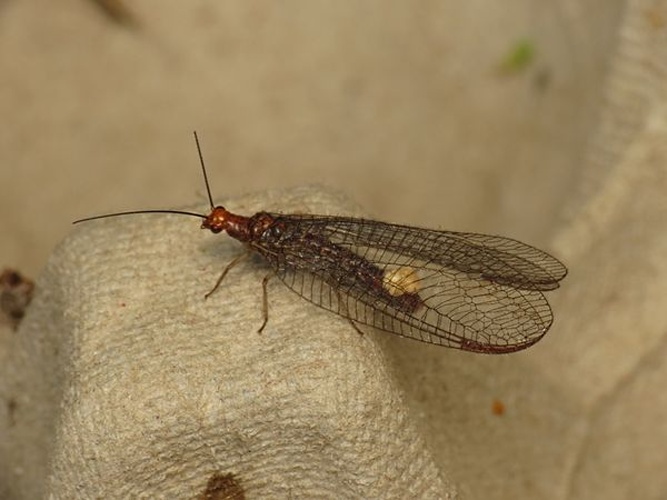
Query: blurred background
473, 116
463, 116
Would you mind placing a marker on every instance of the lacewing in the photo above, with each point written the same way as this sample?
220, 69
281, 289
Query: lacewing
468, 291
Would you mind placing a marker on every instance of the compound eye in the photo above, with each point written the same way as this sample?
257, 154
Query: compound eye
213, 229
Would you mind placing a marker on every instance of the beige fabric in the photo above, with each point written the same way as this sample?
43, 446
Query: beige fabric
143, 389
122, 380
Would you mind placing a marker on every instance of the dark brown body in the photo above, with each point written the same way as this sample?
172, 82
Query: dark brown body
287, 247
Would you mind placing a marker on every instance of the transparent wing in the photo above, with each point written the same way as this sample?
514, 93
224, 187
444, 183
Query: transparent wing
503, 260
464, 290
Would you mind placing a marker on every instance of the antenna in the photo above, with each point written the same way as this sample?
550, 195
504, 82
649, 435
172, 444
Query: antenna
160, 211
203, 169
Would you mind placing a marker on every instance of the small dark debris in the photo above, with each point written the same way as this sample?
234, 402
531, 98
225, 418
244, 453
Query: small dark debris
15, 295
117, 11
12, 406
222, 487
498, 407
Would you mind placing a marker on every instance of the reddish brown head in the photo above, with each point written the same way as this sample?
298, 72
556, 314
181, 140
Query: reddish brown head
217, 220
220, 219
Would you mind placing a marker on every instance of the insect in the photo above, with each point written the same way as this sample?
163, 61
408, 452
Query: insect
469, 291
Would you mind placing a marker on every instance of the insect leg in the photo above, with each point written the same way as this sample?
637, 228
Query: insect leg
347, 313
354, 325
265, 301
236, 260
